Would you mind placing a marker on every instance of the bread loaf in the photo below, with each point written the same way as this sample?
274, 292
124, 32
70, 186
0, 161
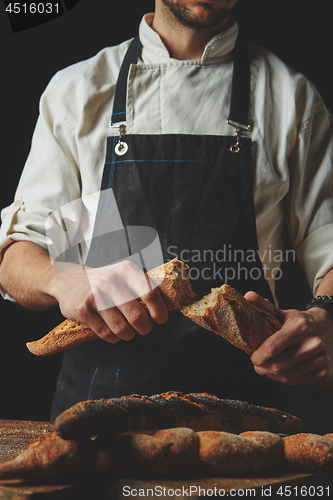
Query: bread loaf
182, 454
228, 314
271, 449
50, 456
222, 453
308, 452
164, 453
172, 409
130, 455
173, 283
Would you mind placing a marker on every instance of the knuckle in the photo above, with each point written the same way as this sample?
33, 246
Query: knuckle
302, 325
126, 266
120, 328
276, 369
270, 348
260, 370
324, 372
107, 335
136, 316
285, 380
82, 310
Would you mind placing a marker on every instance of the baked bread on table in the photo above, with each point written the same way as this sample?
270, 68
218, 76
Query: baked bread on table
169, 452
271, 449
224, 311
137, 413
306, 451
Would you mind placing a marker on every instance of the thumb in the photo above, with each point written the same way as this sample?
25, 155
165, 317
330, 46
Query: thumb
264, 304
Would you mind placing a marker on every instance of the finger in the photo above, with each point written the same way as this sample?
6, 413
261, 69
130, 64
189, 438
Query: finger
145, 288
136, 279
264, 304
137, 317
294, 331
290, 358
316, 377
299, 373
100, 327
133, 312
310, 347
117, 326
156, 306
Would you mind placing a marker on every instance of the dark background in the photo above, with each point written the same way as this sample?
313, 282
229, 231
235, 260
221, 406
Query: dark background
298, 34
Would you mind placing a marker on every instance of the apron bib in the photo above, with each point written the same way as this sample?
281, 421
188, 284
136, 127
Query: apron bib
195, 193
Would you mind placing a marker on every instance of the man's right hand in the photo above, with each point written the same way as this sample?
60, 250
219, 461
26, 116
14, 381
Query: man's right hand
104, 299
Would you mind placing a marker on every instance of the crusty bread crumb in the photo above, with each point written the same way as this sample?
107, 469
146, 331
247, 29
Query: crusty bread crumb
228, 314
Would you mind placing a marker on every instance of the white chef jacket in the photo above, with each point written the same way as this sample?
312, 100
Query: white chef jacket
291, 132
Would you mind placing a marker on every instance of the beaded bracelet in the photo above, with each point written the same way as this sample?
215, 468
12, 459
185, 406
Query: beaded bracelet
324, 302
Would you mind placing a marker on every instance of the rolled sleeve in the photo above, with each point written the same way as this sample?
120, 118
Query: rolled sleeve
316, 255
21, 222
310, 201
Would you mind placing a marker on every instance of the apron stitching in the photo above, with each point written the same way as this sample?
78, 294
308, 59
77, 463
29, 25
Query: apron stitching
116, 383
177, 161
91, 383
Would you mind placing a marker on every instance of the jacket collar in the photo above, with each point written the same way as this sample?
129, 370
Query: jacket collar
154, 51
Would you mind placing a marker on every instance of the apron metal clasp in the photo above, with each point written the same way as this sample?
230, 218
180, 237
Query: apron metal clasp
235, 148
121, 147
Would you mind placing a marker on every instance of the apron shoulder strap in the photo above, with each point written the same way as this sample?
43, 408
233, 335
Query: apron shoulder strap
119, 106
239, 113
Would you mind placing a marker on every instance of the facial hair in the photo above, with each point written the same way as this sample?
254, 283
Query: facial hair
183, 15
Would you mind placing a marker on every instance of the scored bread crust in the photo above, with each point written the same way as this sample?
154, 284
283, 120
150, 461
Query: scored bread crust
238, 456
198, 411
170, 451
68, 334
271, 449
50, 456
306, 451
174, 286
228, 314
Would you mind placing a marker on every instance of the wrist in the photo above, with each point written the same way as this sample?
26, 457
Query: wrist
322, 302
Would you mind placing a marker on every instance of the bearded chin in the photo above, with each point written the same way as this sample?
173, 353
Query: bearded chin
186, 18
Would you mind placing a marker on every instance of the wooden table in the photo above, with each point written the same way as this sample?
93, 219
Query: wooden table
16, 435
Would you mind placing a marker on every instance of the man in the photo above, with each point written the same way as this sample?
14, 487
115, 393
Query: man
199, 198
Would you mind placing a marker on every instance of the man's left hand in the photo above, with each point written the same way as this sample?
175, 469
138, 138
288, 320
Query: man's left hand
301, 352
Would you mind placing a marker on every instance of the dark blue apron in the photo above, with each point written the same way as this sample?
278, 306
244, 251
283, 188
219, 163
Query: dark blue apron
196, 193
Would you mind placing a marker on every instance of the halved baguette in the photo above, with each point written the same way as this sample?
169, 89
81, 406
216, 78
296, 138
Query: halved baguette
228, 314
224, 311
173, 283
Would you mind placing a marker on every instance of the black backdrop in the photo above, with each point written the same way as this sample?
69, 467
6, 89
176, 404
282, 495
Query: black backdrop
299, 35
